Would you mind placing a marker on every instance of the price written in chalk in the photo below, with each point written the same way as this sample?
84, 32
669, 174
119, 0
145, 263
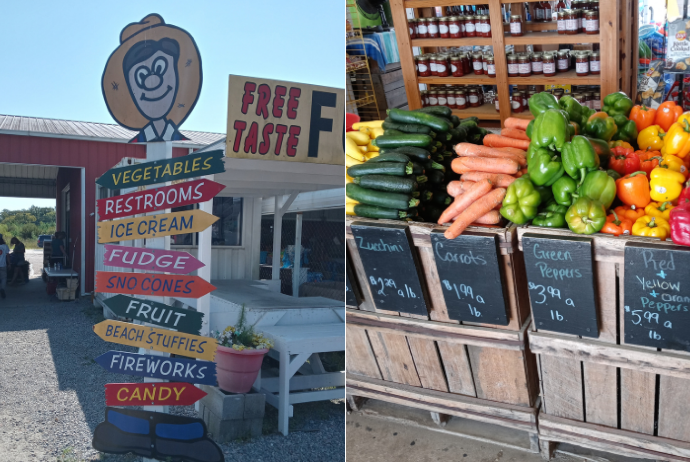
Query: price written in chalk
464, 291
381, 284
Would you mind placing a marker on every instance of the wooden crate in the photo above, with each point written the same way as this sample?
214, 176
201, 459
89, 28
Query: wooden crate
431, 362
389, 87
603, 393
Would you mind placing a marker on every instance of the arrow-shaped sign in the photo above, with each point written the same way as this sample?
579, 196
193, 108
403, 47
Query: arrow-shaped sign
152, 338
151, 200
165, 224
159, 367
163, 285
166, 261
161, 171
180, 319
152, 394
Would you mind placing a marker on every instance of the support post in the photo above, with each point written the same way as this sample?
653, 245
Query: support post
278, 231
203, 304
297, 267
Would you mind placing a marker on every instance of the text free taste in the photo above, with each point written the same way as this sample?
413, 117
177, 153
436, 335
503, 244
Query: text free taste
183, 166
150, 284
164, 367
171, 341
156, 224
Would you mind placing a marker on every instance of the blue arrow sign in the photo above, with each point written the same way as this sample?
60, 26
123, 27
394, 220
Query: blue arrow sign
159, 367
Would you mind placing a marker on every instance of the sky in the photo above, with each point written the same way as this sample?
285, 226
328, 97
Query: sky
21, 203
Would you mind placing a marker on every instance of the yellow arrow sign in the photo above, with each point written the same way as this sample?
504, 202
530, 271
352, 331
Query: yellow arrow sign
167, 224
152, 338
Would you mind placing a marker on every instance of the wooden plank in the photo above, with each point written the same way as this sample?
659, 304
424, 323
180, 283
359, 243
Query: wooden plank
498, 42
428, 363
394, 358
406, 57
635, 49
637, 401
609, 47
359, 357
500, 375
674, 408
457, 366
569, 76
532, 38
450, 42
437, 304
626, 27
562, 385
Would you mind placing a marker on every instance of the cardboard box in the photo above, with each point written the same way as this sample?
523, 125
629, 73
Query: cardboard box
64, 293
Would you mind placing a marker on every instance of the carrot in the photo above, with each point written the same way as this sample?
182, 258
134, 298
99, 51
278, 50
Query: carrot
473, 150
483, 164
519, 152
514, 122
491, 218
515, 133
501, 181
498, 141
474, 212
455, 188
474, 193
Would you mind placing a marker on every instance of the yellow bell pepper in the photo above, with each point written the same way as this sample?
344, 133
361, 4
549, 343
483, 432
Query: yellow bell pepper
665, 184
651, 138
659, 210
674, 163
620, 144
677, 140
651, 227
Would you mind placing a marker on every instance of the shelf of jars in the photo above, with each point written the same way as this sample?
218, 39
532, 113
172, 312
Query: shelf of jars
561, 78
549, 37
469, 79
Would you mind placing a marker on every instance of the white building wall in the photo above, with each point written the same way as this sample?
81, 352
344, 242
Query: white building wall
313, 200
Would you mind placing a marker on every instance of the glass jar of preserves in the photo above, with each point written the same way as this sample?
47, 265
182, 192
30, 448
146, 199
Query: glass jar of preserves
422, 28
473, 97
596, 101
537, 63
560, 6
433, 97
432, 65
582, 64
470, 29
423, 66
466, 63
547, 11
592, 22
456, 66
424, 96
584, 5
451, 99
443, 30
589, 99
531, 93
594, 5
581, 20
477, 64
490, 66
516, 25
442, 66
595, 63
563, 61
549, 64
442, 98
524, 66
538, 12
411, 25
523, 95
498, 109
461, 99
561, 22
516, 102
571, 25
454, 29
513, 69
558, 93
432, 25
485, 25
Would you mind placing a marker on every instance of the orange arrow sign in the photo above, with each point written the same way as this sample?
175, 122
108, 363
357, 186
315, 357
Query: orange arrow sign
152, 394
166, 224
162, 285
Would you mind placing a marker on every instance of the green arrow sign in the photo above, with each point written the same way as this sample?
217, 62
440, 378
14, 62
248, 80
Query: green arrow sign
160, 171
180, 319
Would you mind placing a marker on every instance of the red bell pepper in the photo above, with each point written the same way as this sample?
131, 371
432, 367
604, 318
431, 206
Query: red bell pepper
680, 224
624, 161
684, 198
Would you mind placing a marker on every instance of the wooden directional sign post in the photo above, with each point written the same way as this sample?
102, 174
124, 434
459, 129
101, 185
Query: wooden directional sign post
167, 261
152, 200
152, 394
167, 224
162, 171
160, 314
162, 285
159, 367
152, 338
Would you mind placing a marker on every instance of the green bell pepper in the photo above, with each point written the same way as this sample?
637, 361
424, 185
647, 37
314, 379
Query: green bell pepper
544, 167
572, 107
545, 193
613, 174
542, 102
521, 201
603, 129
586, 114
530, 128
627, 132
550, 130
617, 103
598, 185
585, 216
563, 190
554, 206
602, 149
552, 216
579, 158
620, 120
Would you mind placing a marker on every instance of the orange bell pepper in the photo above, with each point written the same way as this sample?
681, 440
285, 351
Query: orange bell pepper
633, 189
598, 115
643, 117
629, 213
667, 114
650, 164
647, 154
616, 225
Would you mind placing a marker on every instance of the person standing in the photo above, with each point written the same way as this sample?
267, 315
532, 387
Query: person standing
17, 260
4, 260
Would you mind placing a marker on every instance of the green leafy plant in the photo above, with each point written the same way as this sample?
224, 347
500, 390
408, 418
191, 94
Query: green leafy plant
242, 336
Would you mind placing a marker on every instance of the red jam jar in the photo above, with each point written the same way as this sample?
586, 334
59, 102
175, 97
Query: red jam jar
490, 66
516, 25
582, 64
466, 64
524, 66
563, 62
456, 66
595, 63
571, 24
411, 24
443, 29
549, 60
451, 100
422, 28
424, 95
432, 25
473, 98
442, 66
537, 64
592, 22
560, 24
484, 23
433, 97
461, 99
516, 102
513, 68
432, 65
423, 66
470, 28
477, 64
442, 98
454, 27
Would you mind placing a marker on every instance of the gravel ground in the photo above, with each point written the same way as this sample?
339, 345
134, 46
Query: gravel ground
52, 395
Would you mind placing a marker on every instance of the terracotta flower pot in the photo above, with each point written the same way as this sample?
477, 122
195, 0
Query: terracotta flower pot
237, 370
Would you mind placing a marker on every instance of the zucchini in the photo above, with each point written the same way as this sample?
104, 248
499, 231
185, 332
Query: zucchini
443, 111
442, 199
391, 156
415, 154
438, 157
381, 168
473, 118
407, 128
435, 177
393, 132
387, 183
395, 141
417, 169
426, 196
423, 118
372, 211
455, 119
379, 198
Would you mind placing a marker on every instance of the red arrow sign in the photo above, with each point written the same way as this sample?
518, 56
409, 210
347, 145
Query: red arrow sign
168, 261
152, 394
151, 200
163, 285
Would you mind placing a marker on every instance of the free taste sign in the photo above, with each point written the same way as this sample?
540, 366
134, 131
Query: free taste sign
285, 121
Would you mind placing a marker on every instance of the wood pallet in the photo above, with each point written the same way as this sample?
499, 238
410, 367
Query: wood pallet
606, 394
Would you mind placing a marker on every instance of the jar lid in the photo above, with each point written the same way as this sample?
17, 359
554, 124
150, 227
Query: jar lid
454, 18
591, 13
477, 55
563, 53
424, 58
460, 92
474, 90
523, 58
455, 58
561, 13
536, 55
516, 16
595, 54
445, 18
484, 16
442, 92
470, 17
596, 93
489, 58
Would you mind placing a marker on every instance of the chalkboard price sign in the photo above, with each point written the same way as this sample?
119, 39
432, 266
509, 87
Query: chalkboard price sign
657, 296
470, 277
391, 267
351, 297
560, 279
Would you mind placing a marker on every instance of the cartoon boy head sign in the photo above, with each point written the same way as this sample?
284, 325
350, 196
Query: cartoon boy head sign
152, 81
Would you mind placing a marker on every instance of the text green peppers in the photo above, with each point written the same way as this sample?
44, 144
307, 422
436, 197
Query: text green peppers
550, 130
521, 201
563, 190
579, 158
601, 128
552, 216
627, 132
572, 107
617, 103
585, 216
544, 167
542, 102
598, 185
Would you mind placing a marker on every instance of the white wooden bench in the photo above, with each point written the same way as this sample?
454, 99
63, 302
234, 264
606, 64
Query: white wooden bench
293, 346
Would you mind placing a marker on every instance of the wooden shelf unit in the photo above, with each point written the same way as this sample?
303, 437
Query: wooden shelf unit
618, 53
